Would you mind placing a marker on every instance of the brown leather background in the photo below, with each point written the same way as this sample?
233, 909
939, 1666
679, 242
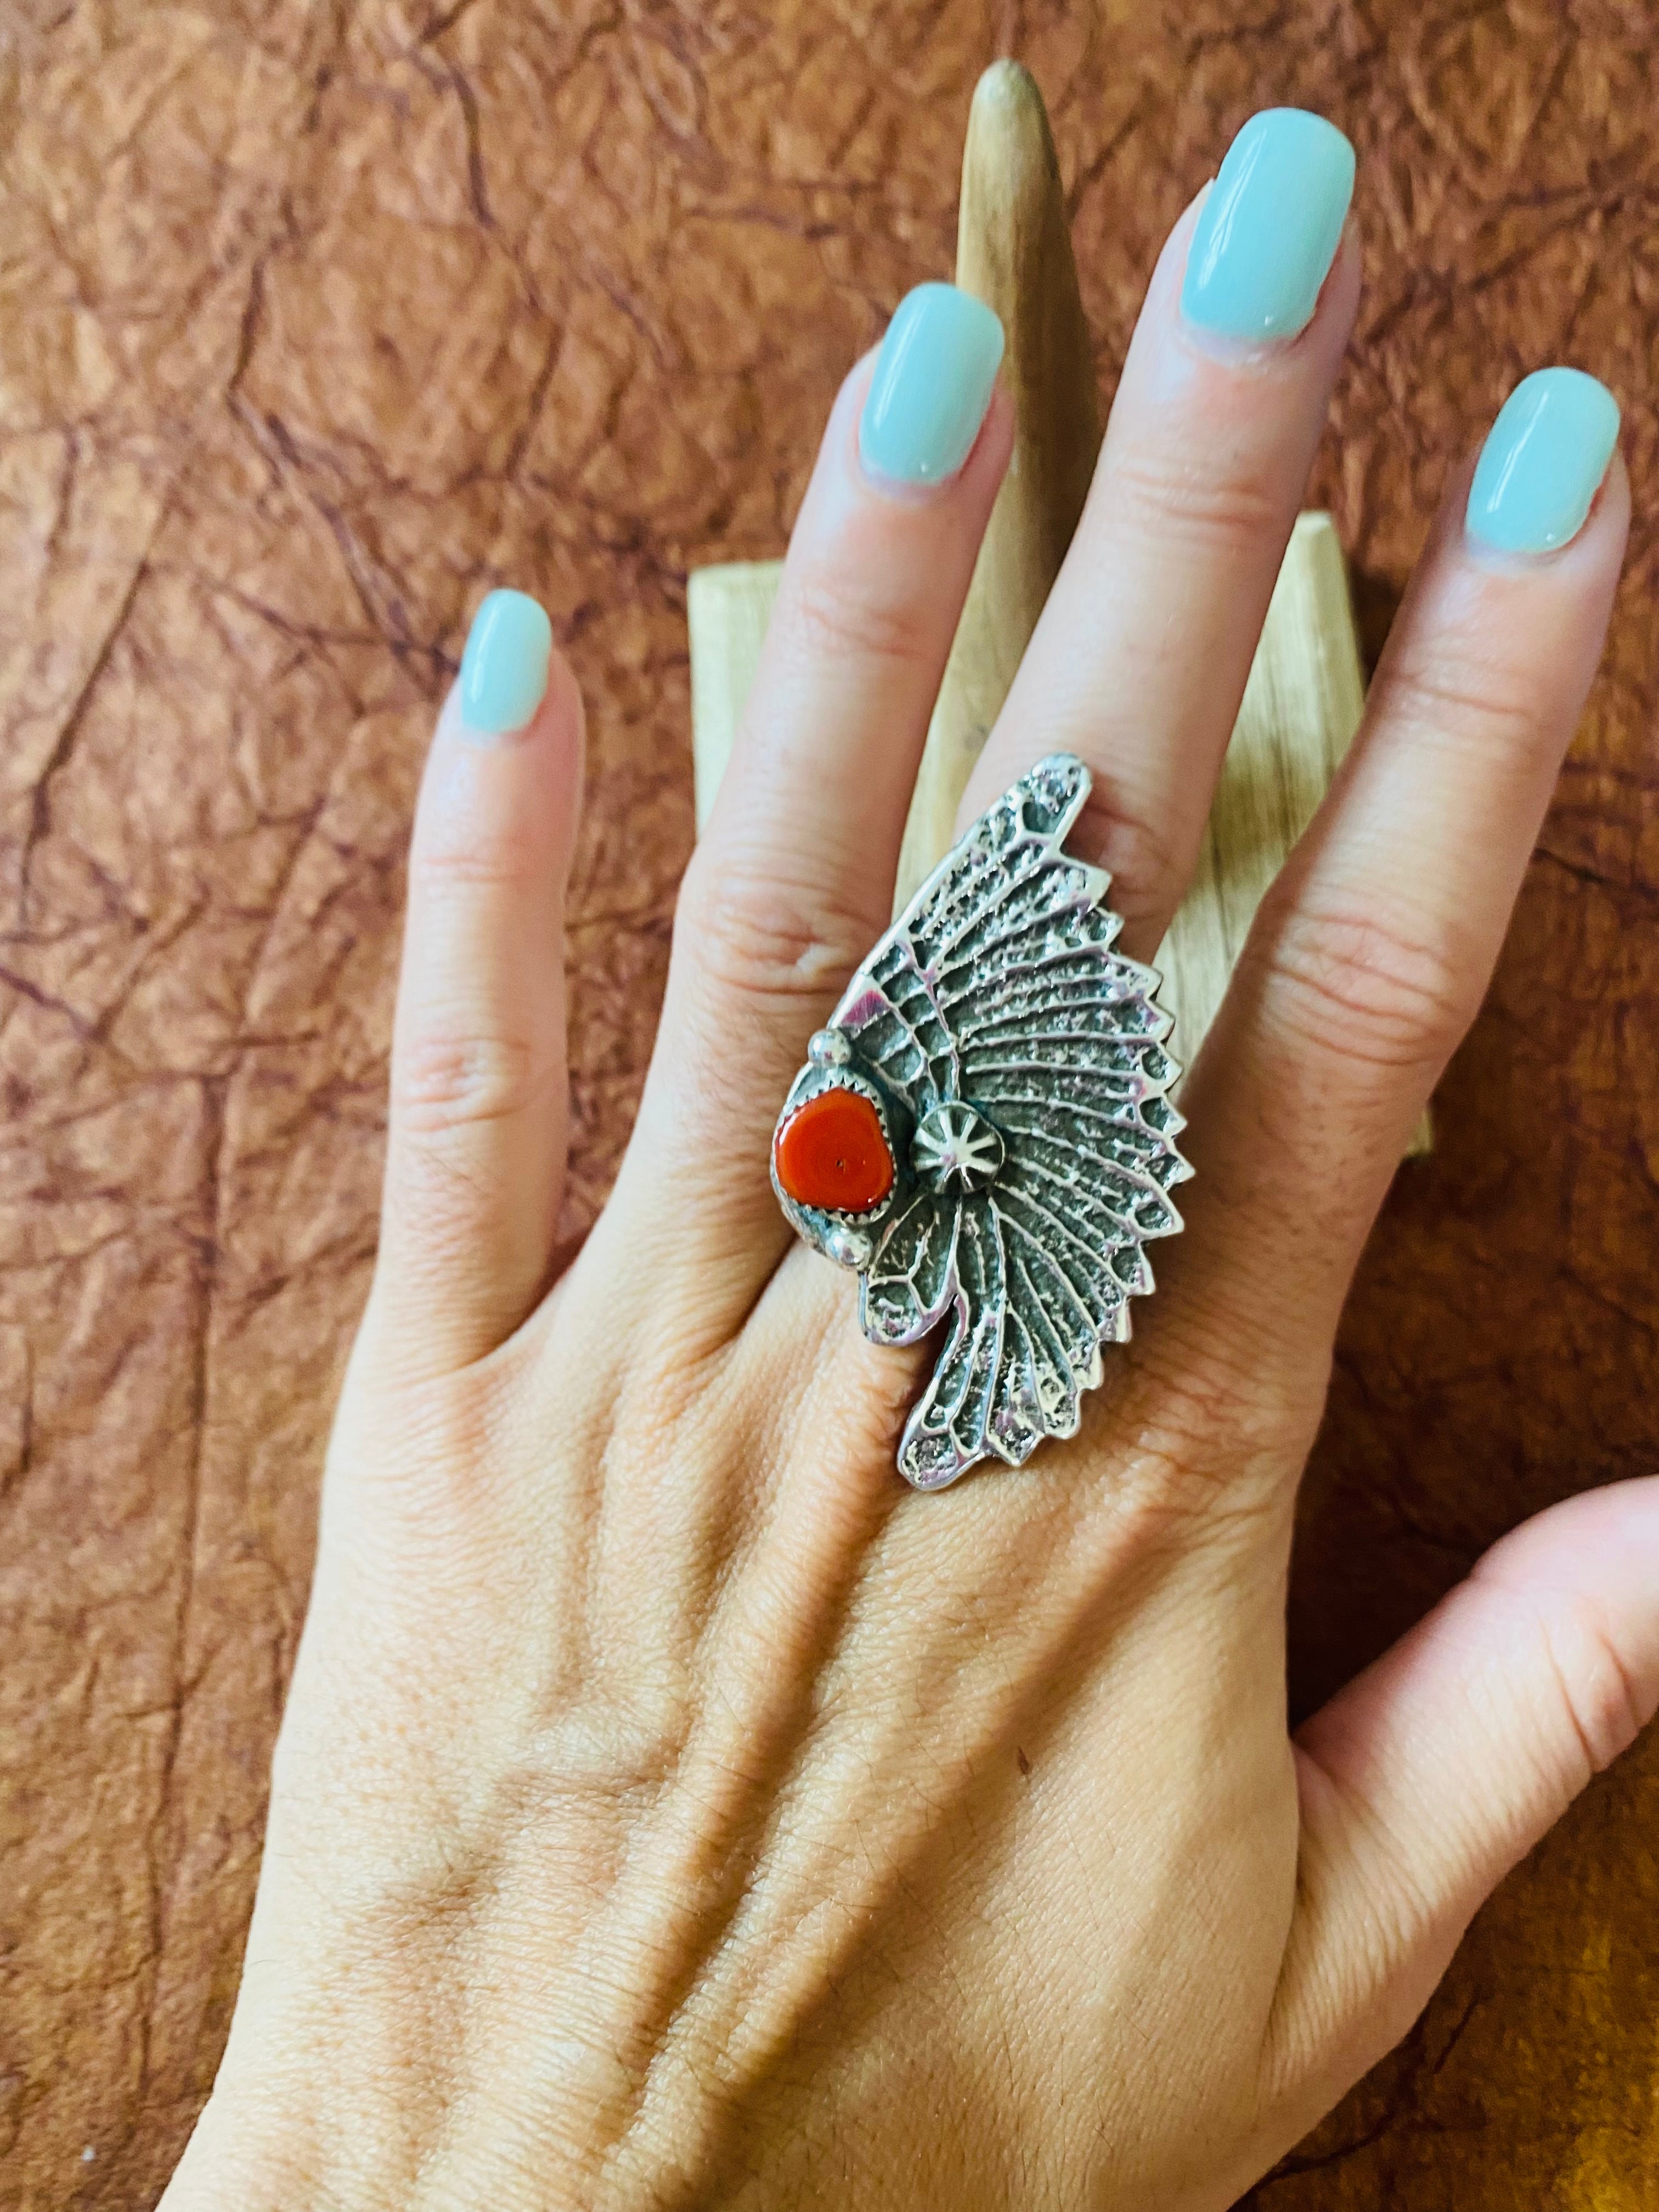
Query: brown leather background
316, 321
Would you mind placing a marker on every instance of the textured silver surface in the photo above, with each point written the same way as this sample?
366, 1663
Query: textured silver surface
995, 1018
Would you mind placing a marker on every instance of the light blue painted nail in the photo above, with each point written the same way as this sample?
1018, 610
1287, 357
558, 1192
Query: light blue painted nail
932, 382
504, 667
1267, 233
1543, 462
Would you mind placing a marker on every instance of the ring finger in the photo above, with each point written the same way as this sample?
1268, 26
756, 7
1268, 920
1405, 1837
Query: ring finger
1369, 958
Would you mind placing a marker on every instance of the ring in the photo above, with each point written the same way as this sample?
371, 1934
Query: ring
984, 1132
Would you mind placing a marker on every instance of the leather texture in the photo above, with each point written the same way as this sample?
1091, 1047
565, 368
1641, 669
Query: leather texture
320, 320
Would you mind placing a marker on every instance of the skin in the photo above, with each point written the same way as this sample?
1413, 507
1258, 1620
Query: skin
673, 1810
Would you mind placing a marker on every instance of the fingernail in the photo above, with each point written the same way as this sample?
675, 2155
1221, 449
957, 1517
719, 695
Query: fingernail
504, 667
1268, 232
1543, 462
934, 380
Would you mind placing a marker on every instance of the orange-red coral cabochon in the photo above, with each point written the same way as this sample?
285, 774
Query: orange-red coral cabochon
831, 1154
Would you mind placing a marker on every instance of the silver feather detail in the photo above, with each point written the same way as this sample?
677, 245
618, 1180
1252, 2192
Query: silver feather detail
1017, 1063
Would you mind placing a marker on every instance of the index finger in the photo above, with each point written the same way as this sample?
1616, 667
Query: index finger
792, 881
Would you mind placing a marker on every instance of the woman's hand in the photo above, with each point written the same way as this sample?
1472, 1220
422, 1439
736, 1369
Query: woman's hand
672, 1809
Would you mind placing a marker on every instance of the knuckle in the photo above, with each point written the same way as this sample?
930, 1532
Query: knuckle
1147, 861
833, 616
450, 1082
1366, 987
1600, 1696
1169, 495
506, 859
1140, 857
1464, 699
748, 929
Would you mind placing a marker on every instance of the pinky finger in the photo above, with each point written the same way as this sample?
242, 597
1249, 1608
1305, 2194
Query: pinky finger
477, 1141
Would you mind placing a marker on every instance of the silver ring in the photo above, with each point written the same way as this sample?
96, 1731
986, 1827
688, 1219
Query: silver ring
984, 1133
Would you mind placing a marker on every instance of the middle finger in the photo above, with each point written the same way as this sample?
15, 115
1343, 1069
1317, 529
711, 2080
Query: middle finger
1139, 661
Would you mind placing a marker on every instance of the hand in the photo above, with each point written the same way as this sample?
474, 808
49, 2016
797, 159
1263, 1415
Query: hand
673, 1809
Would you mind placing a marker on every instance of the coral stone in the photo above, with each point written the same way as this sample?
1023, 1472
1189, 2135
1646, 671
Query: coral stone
831, 1153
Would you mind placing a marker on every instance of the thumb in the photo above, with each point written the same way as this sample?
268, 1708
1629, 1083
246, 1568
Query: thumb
1426, 1779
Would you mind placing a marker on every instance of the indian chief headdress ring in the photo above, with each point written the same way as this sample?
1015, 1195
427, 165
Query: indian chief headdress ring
984, 1133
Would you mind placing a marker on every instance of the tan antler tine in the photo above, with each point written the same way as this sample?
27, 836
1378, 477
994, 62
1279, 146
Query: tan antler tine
1013, 252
